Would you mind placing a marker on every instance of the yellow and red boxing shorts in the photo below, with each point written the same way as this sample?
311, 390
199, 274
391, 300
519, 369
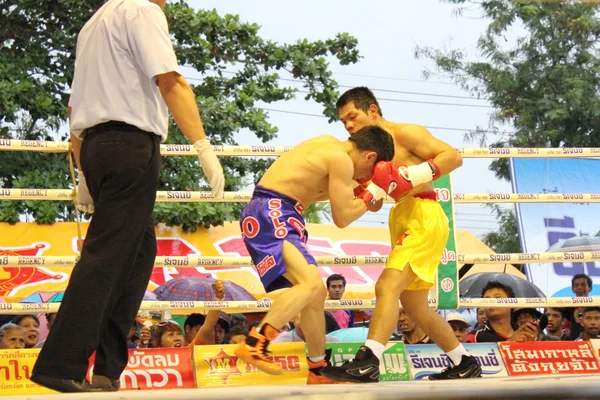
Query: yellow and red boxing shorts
418, 232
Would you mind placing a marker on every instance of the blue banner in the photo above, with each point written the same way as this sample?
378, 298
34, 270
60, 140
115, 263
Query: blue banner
427, 359
547, 227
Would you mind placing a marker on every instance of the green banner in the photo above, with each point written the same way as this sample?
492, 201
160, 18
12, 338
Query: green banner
393, 367
447, 280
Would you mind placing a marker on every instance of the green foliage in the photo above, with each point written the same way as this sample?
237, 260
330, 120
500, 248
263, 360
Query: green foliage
36, 67
546, 86
506, 239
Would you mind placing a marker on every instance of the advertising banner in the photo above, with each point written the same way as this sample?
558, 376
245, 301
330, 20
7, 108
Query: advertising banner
447, 281
558, 227
162, 368
427, 359
548, 358
393, 367
15, 371
217, 366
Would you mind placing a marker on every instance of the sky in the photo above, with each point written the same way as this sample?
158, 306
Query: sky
388, 33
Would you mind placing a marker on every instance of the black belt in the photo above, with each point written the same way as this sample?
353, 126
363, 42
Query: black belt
113, 125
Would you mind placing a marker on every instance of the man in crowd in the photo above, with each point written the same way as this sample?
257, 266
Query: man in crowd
409, 332
581, 285
499, 326
591, 324
459, 325
336, 286
555, 322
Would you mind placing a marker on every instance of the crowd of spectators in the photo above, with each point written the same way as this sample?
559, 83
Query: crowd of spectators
495, 324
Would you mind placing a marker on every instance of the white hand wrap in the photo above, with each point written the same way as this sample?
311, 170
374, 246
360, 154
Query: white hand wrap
211, 167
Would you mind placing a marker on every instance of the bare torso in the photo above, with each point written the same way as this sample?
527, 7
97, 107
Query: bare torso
403, 156
302, 173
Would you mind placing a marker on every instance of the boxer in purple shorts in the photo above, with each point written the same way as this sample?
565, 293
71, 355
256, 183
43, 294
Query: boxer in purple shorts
267, 220
275, 235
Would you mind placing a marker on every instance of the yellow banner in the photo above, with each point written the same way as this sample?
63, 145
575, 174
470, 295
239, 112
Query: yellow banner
217, 366
15, 370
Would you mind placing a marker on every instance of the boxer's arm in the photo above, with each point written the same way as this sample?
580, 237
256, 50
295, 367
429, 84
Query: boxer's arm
344, 207
420, 142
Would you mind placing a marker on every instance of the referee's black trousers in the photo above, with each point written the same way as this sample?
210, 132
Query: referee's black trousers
121, 164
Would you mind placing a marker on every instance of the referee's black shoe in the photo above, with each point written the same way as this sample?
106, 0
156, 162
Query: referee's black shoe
468, 368
363, 369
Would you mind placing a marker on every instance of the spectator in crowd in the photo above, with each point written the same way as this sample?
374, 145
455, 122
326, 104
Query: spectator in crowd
581, 285
336, 286
499, 325
555, 322
481, 319
409, 332
239, 320
590, 322
167, 334
236, 335
192, 325
49, 322
523, 316
479, 324
203, 329
459, 325
222, 328
31, 327
296, 334
12, 336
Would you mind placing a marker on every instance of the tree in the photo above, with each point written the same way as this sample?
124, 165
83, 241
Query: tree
36, 67
546, 85
506, 239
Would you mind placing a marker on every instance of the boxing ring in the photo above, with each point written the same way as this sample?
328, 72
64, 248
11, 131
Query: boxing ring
546, 387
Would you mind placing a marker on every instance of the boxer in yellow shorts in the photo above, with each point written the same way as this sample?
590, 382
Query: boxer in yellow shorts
418, 231
416, 243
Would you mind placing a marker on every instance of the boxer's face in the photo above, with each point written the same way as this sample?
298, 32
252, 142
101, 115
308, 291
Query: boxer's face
355, 119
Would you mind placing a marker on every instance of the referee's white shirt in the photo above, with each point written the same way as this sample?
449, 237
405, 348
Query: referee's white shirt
120, 50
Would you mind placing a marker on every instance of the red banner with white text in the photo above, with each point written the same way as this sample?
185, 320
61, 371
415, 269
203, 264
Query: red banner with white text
549, 358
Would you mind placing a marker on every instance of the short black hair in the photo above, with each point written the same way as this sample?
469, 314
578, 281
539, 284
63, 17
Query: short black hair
561, 311
374, 138
194, 320
335, 277
238, 317
579, 276
361, 96
497, 285
590, 309
17, 320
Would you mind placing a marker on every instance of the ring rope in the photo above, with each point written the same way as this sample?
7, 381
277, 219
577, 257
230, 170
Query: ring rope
173, 196
272, 150
264, 305
194, 261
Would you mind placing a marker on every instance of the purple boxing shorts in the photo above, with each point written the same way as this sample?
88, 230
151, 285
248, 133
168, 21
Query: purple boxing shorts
267, 221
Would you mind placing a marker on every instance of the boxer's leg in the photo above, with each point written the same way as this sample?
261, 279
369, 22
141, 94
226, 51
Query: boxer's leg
307, 286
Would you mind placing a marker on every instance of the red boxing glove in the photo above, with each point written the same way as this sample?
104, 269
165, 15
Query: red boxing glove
361, 186
399, 179
372, 194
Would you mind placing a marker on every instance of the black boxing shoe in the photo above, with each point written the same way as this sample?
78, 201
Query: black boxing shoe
363, 369
468, 368
63, 385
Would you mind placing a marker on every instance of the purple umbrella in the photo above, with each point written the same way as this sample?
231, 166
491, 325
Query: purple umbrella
199, 289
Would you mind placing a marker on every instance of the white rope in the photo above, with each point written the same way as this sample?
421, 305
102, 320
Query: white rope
264, 305
273, 150
173, 196
193, 261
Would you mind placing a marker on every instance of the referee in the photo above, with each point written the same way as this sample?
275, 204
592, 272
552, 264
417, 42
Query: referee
126, 76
